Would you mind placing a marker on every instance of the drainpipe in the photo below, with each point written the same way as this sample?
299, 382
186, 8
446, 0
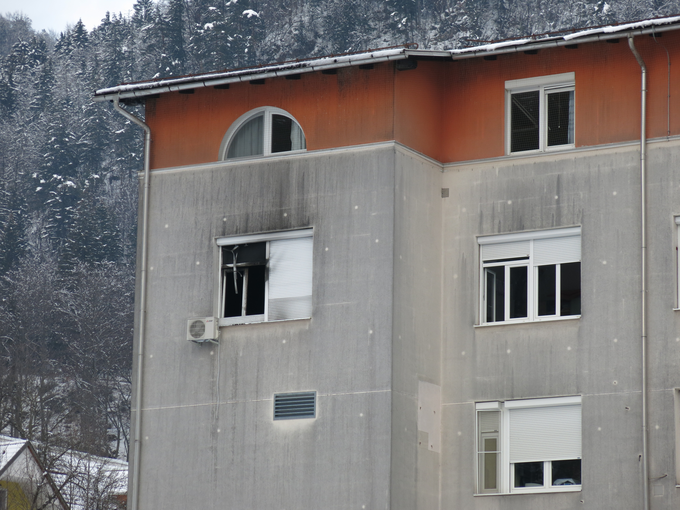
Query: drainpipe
643, 269
142, 302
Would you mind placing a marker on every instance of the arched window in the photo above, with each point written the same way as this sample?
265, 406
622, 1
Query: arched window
262, 132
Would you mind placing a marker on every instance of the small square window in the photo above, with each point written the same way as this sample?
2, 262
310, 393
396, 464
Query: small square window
540, 113
531, 276
529, 445
265, 277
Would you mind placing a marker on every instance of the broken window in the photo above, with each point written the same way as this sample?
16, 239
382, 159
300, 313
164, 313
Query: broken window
531, 276
266, 277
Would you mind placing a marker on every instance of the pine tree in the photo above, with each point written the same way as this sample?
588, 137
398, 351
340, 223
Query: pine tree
173, 59
13, 226
92, 236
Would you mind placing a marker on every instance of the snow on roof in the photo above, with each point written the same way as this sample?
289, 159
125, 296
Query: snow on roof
259, 72
9, 447
132, 90
625, 26
580, 34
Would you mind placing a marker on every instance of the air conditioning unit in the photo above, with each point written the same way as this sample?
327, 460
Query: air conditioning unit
203, 329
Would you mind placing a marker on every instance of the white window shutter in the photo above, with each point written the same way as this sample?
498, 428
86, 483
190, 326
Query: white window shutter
290, 278
558, 250
511, 250
545, 433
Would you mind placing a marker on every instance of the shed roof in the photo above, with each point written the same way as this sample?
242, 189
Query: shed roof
130, 91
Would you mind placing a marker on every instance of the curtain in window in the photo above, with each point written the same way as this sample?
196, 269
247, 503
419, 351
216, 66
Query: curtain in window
290, 279
248, 141
297, 138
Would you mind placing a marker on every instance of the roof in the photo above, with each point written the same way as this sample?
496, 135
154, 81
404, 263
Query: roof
152, 87
9, 448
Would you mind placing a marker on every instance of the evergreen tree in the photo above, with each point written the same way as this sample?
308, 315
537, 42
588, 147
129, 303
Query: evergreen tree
92, 236
173, 28
13, 226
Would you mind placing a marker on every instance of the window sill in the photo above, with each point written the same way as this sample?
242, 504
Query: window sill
541, 321
263, 156
551, 490
547, 150
246, 322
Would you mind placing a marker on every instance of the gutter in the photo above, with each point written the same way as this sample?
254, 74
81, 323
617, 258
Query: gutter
152, 88
643, 269
142, 302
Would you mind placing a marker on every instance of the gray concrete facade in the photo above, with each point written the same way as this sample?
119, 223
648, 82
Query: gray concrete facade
597, 356
396, 326
208, 437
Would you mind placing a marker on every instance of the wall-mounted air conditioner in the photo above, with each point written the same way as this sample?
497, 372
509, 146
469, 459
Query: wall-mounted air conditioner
203, 329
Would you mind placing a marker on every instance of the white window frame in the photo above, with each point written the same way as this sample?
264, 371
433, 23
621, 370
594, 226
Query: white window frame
545, 85
532, 265
505, 472
267, 112
262, 238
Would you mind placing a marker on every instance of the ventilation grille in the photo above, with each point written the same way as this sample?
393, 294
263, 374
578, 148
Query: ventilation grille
291, 406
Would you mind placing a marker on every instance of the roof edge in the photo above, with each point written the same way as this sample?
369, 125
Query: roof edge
140, 90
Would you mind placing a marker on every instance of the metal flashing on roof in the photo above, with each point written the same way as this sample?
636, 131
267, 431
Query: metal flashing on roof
144, 90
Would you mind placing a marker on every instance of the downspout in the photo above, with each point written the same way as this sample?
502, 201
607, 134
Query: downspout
142, 302
643, 269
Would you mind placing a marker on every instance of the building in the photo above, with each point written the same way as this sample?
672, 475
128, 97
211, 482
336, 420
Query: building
24, 482
414, 279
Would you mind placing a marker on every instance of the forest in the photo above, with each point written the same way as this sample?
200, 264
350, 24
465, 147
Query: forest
69, 170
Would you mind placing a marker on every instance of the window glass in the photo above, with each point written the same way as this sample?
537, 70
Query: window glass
529, 474
547, 295
570, 289
281, 140
495, 291
489, 452
524, 121
518, 292
560, 118
248, 141
566, 472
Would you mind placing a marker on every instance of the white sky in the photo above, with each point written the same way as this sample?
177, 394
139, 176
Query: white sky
55, 15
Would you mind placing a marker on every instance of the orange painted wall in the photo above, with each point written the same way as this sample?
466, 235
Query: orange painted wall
354, 106
607, 94
419, 95
449, 110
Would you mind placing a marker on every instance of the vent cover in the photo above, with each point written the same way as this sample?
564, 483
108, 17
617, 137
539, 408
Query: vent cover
292, 406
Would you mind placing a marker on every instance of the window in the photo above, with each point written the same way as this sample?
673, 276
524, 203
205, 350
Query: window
531, 276
262, 132
529, 445
540, 113
266, 277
